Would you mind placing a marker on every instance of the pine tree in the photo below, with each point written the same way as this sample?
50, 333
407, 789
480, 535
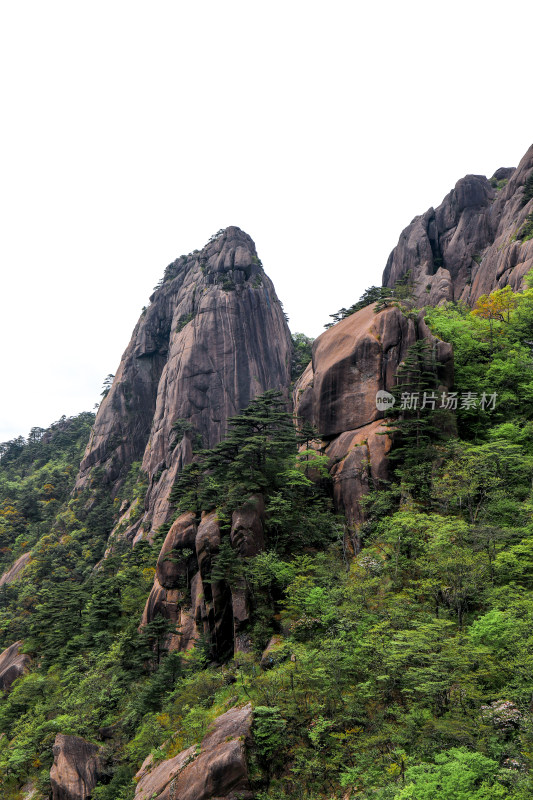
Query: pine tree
417, 422
248, 460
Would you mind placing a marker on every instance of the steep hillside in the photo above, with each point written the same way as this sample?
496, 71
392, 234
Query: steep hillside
236, 597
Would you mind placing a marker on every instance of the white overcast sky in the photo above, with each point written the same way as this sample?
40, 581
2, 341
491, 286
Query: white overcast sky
132, 131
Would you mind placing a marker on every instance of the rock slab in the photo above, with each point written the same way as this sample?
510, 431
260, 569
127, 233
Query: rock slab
217, 771
74, 773
12, 665
14, 571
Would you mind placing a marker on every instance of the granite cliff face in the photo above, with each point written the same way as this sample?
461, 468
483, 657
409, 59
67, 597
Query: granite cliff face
213, 337
471, 244
351, 362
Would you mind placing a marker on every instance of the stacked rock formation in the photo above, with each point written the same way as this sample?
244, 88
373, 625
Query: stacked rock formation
185, 592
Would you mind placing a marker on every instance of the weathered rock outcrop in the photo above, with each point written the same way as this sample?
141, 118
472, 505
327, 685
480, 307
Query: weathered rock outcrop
213, 338
12, 665
358, 462
14, 571
74, 773
218, 772
186, 592
247, 540
177, 593
273, 652
176, 561
471, 243
351, 362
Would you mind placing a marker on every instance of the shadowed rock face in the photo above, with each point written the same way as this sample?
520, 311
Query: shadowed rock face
177, 593
213, 338
218, 772
184, 591
351, 362
12, 665
74, 773
468, 246
247, 540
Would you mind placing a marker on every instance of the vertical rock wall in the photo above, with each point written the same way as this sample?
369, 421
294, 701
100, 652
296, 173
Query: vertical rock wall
213, 338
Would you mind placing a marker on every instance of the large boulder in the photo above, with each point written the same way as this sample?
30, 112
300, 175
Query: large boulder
351, 362
13, 664
177, 559
246, 535
186, 613
216, 771
354, 360
207, 542
74, 773
358, 462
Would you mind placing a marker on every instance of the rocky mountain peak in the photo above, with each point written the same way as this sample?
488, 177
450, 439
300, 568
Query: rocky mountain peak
213, 338
474, 242
230, 250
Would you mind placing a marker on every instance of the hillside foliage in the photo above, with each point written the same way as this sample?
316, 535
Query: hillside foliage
402, 673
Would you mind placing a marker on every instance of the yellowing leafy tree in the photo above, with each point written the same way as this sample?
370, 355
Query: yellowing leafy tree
497, 305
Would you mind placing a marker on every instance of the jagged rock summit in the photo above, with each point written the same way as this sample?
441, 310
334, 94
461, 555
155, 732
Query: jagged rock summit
474, 242
213, 338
